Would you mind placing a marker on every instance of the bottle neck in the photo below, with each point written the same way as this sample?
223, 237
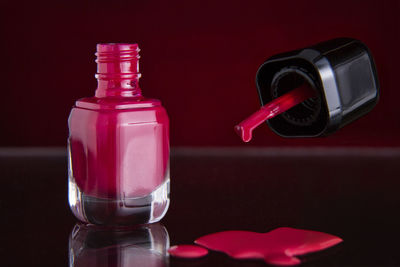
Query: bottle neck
118, 70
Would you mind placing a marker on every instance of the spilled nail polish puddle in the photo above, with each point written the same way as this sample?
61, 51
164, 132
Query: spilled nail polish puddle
277, 247
188, 251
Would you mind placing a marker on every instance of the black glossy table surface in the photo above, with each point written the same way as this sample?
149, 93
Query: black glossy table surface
352, 193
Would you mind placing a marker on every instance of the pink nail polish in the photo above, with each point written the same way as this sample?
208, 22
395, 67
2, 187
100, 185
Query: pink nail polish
118, 146
272, 109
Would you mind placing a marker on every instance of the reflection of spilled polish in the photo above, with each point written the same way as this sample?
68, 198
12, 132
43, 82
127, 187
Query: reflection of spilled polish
278, 247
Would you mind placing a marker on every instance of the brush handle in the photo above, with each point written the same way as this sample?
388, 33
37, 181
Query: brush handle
272, 109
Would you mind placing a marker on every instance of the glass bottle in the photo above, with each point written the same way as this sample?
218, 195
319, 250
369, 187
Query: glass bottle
118, 146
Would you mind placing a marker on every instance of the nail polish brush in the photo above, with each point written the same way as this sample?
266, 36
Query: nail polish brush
274, 108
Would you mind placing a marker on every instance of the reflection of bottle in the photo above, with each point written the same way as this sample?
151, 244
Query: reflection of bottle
118, 146
96, 246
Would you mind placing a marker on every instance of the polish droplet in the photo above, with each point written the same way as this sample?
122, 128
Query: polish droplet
244, 133
187, 251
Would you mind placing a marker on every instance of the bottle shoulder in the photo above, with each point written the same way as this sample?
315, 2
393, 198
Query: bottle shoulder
113, 103
112, 111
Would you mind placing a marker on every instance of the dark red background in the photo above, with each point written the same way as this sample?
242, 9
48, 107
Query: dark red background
198, 57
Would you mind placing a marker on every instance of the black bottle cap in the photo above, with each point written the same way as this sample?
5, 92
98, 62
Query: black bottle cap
343, 73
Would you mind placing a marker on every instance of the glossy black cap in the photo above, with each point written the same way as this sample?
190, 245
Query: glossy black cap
343, 73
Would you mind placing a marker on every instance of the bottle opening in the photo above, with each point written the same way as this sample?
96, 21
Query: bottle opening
118, 69
117, 52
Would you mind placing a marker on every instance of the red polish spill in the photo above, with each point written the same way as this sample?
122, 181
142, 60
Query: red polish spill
187, 251
272, 109
278, 247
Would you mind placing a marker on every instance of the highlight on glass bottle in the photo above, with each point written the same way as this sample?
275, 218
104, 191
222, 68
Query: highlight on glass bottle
118, 146
145, 245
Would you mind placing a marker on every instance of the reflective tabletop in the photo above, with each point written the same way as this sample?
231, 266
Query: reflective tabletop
352, 193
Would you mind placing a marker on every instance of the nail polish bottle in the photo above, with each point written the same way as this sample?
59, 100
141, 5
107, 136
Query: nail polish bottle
118, 146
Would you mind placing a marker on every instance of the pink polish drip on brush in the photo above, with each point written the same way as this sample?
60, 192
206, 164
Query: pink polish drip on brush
272, 109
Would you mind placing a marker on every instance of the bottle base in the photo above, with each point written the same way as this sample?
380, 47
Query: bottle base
128, 211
